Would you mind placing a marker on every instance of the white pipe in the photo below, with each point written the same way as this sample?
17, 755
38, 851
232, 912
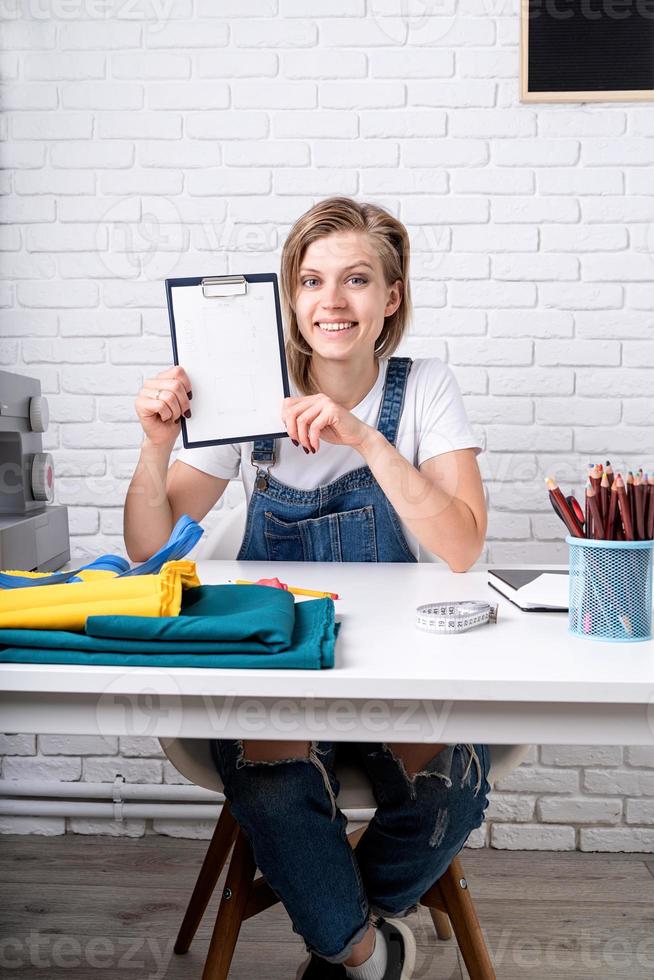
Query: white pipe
123, 811
117, 790
78, 799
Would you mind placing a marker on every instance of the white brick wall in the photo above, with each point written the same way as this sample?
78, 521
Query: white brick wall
153, 139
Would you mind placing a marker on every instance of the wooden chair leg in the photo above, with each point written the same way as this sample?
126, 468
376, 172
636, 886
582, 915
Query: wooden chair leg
212, 866
451, 894
355, 836
441, 924
240, 877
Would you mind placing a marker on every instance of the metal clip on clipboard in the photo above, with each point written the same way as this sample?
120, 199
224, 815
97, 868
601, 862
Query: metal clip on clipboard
224, 286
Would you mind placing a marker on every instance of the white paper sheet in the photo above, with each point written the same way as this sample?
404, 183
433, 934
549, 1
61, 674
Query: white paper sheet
229, 347
546, 590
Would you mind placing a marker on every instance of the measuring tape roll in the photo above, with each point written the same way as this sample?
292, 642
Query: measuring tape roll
454, 617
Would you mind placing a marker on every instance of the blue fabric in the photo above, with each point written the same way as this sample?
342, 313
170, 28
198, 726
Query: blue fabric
218, 626
183, 538
350, 519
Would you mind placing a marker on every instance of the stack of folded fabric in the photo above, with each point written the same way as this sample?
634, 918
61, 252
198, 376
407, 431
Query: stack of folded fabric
165, 620
67, 606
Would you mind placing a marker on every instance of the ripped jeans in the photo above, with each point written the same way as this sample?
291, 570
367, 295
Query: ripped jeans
287, 809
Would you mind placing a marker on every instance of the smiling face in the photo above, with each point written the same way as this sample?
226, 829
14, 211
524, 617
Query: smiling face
342, 297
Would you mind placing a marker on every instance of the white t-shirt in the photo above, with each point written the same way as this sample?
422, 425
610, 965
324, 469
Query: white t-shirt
433, 421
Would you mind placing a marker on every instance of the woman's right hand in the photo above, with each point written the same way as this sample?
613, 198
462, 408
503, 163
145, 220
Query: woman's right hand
160, 404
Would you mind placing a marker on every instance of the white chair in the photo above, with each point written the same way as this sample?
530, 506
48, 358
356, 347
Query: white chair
448, 899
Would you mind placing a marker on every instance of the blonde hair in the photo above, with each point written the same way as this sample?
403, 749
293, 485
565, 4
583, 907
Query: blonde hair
391, 242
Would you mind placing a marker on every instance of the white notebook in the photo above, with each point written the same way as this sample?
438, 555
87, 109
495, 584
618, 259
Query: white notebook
227, 334
532, 589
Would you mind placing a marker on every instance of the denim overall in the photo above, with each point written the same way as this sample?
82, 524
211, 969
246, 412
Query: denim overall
350, 519
287, 808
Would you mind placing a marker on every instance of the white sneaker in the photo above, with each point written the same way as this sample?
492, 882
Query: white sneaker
401, 947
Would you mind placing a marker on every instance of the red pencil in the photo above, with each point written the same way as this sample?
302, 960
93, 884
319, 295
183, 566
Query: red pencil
605, 490
591, 497
562, 506
609, 526
631, 497
625, 512
639, 507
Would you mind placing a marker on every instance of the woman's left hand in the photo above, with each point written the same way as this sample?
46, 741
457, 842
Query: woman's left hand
316, 417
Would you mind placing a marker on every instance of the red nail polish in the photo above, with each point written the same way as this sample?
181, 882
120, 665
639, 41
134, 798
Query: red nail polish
312, 450
189, 395
306, 450
295, 442
187, 413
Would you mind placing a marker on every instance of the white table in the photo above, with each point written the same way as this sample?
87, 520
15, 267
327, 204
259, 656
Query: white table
522, 680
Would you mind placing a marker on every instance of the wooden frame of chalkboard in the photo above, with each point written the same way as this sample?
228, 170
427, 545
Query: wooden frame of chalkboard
586, 50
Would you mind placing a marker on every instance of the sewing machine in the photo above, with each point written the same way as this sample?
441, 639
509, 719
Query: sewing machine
33, 530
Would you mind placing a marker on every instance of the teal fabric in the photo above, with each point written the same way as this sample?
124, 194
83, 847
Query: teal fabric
218, 626
233, 618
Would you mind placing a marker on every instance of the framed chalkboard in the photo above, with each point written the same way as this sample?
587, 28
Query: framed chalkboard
587, 50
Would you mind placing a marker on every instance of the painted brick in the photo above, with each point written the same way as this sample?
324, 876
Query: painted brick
513, 381
640, 811
413, 63
534, 210
535, 268
629, 839
42, 826
540, 780
77, 745
141, 746
581, 296
492, 180
108, 827
189, 829
510, 807
532, 837
105, 769
581, 411
530, 323
17, 744
640, 755
41, 767
579, 810
579, 182
577, 352
624, 782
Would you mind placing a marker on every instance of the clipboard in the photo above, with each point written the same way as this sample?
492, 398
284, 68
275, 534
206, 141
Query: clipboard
227, 334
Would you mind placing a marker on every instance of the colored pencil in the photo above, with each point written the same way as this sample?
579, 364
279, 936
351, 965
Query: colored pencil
562, 508
625, 510
639, 507
605, 490
591, 497
609, 526
294, 590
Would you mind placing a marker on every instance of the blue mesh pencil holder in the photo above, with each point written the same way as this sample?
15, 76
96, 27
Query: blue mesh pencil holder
610, 589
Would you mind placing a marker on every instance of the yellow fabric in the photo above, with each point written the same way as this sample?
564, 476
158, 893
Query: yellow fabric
101, 593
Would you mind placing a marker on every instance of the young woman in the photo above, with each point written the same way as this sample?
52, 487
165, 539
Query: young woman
380, 462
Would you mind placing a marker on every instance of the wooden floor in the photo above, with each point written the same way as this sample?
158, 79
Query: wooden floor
84, 907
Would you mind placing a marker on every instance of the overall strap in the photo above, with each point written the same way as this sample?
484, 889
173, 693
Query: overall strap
263, 451
397, 373
263, 457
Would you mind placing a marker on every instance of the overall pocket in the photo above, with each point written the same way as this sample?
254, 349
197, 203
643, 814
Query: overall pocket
346, 536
